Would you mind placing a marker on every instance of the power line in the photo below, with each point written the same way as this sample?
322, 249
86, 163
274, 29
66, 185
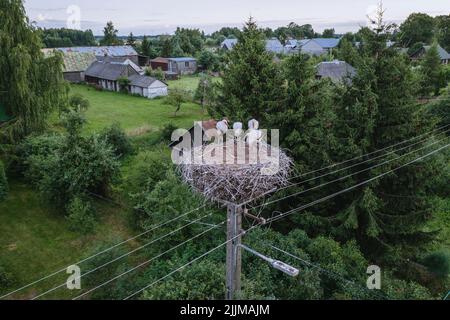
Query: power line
148, 261
273, 219
323, 270
125, 255
280, 217
154, 227
371, 153
348, 176
185, 265
359, 163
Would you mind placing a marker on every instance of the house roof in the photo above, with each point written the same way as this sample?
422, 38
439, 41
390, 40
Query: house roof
327, 43
205, 126
113, 51
160, 60
335, 70
109, 71
77, 62
274, 45
142, 81
303, 42
182, 59
442, 53
229, 43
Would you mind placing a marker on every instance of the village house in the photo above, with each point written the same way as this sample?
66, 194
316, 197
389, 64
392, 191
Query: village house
444, 55
318, 46
228, 44
107, 75
123, 60
272, 45
337, 71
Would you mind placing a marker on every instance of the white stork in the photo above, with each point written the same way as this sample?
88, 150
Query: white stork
238, 129
254, 135
222, 127
253, 124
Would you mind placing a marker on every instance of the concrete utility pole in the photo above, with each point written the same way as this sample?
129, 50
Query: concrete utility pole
234, 252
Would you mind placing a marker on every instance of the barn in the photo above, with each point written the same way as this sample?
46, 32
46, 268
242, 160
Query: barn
147, 86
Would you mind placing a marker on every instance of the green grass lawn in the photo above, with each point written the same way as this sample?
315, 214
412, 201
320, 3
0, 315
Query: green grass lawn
135, 114
35, 241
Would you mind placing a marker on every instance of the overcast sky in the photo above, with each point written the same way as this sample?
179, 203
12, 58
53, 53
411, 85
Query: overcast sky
155, 17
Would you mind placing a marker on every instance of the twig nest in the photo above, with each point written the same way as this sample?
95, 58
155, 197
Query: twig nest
236, 171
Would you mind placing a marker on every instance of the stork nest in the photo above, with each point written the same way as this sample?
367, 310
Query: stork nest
236, 172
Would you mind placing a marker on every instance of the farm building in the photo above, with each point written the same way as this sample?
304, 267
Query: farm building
75, 64
182, 65
162, 63
147, 86
444, 55
109, 51
204, 127
108, 74
337, 71
122, 60
175, 66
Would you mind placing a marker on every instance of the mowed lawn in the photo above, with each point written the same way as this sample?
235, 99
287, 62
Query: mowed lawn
36, 241
135, 114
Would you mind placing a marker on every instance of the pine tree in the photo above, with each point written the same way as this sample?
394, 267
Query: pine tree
389, 213
251, 83
146, 47
31, 86
167, 48
131, 41
431, 70
110, 35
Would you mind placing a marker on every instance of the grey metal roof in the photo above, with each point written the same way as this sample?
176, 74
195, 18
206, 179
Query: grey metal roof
183, 59
442, 53
229, 43
327, 43
274, 45
109, 71
113, 51
141, 81
336, 70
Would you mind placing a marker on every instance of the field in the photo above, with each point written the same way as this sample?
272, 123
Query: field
36, 241
135, 114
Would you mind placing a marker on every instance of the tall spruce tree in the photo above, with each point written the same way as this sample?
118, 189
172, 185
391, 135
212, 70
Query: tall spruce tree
431, 70
110, 37
390, 213
31, 85
251, 83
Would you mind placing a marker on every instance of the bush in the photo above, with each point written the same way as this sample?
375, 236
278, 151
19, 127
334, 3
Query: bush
166, 132
116, 137
3, 182
74, 166
81, 216
438, 263
78, 103
6, 279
